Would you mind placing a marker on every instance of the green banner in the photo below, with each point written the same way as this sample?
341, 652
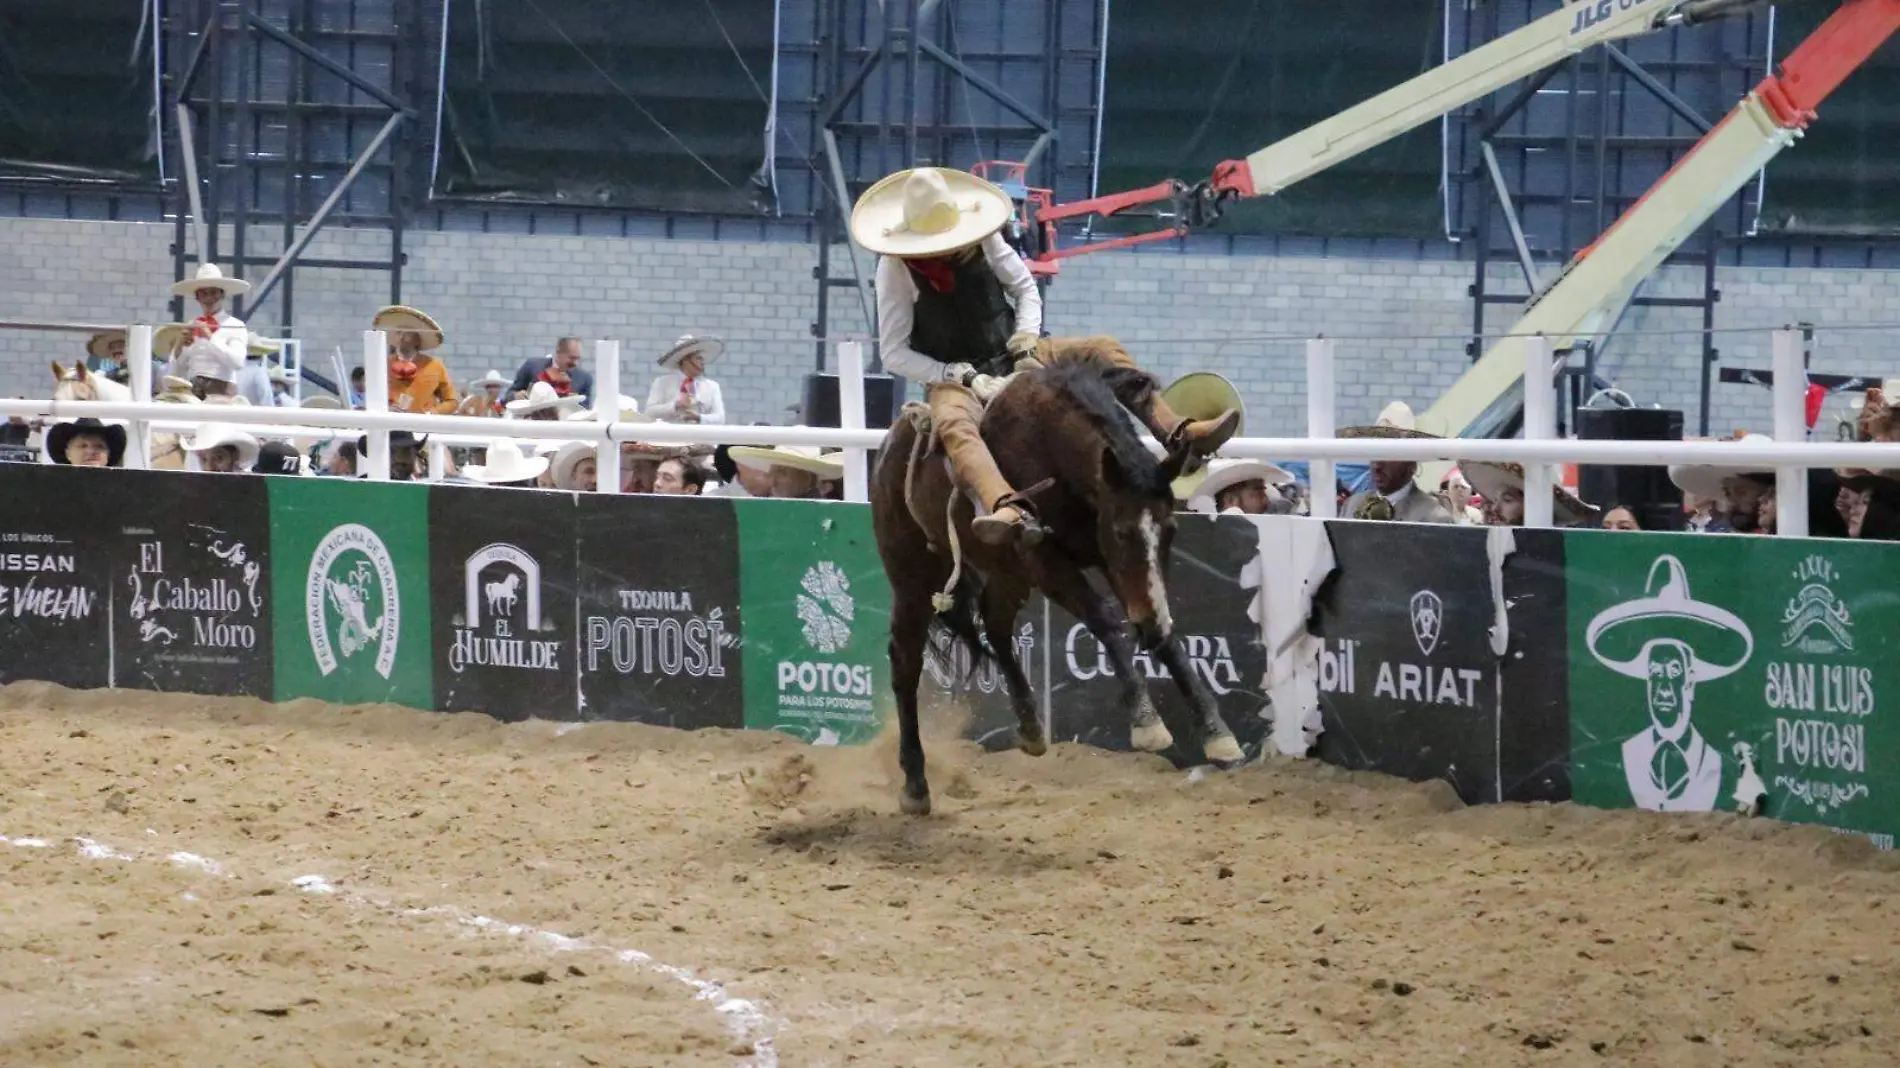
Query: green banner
350, 591
1707, 670
817, 612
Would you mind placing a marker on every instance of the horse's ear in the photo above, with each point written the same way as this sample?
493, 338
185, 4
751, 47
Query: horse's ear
79, 370
59, 373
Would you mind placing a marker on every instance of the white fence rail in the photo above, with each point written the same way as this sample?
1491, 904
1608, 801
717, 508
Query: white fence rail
1790, 455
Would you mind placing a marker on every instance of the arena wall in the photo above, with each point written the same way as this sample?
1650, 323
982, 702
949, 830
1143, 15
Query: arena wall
504, 297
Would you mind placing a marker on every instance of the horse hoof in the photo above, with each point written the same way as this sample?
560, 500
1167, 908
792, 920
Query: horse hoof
1152, 738
915, 806
1034, 744
1223, 750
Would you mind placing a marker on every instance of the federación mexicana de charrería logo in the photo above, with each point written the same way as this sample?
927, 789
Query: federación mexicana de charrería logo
351, 603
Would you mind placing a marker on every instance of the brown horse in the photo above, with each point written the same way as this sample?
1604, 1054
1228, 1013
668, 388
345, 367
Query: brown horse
1107, 508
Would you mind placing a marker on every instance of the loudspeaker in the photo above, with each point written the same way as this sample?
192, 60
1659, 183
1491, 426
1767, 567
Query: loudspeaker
821, 400
1647, 490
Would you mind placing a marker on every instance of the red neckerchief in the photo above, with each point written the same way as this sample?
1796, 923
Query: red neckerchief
562, 386
404, 370
939, 271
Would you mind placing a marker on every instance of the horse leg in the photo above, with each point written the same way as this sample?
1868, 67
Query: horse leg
910, 629
1065, 585
1002, 601
1217, 739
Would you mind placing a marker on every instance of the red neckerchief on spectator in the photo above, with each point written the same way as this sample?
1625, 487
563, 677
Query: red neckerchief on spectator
939, 271
562, 386
404, 370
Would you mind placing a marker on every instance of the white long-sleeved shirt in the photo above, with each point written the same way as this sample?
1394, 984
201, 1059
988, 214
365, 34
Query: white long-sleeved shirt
253, 383
708, 401
897, 301
219, 356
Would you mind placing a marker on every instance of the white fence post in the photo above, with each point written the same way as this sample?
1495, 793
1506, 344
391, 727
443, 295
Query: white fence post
857, 485
376, 399
607, 410
138, 360
1540, 424
1791, 425
1322, 483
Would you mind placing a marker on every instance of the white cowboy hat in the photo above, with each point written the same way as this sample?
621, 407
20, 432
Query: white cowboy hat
542, 396
99, 344
506, 463
209, 277
1219, 474
927, 212
1491, 478
1705, 480
492, 378
397, 318
629, 413
706, 348
211, 435
800, 457
1395, 421
322, 400
566, 460
1620, 635
278, 374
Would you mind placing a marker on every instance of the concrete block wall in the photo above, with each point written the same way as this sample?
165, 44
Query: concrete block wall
505, 297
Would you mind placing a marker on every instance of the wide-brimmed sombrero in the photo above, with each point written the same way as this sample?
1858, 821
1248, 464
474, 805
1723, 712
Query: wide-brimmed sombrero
397, 318
542, 396
208, 276
1205, 395
505, 463
1396, 420
212, 435
1491, 478
799, 457
1620, 635
259, 345
928, 211
1705, 480
492, 378
322, 400
706, 348
567, 459
99, 345
1220, 474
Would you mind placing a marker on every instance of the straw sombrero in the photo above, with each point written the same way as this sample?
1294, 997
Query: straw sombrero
212, 435
1705, 480
209, 277
1205, 395
100, 344
506, 463
322, 400
1395, 421
397, 318
259, 345
567, 459
542, 396
800, 457
928, 211
1491, 479
165, 338
706, 348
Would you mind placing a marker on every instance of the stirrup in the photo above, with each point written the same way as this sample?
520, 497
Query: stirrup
1030, 530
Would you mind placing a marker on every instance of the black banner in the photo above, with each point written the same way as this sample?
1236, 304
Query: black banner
950, 687
659, 613
191, 567
55, 574
77, 87
501, 581
634, 104
1408, 684
1212, 588
1534, 685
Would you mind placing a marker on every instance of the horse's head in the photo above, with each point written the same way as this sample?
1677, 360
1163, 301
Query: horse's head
1134, 510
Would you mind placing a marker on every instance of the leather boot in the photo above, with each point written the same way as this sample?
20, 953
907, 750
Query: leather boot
956, 412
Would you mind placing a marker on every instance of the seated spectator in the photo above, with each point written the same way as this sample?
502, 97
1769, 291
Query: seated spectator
277, 458
1620, 517
484, 396
86, 443
222, 449
1233, 487
342, 460
418, 380
576, 467
1736, 492
1502, 487
679, 476
796, 471
405, 454
561, 370
506, 465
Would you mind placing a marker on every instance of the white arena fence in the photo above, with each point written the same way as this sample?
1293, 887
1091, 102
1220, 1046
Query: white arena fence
1790, 454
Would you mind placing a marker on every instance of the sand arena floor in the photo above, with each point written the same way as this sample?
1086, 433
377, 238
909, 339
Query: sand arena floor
1086, 908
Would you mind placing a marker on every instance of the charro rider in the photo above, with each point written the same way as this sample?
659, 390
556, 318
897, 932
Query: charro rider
958, 311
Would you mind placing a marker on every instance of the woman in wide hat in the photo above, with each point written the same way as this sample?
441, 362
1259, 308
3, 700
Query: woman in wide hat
216, 343
959, 311
682, 393
418, 380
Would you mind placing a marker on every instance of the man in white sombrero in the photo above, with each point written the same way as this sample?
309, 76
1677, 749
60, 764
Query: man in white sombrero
542, 402
1672, 643
484, 396
215, 342
1502, 487
682, 393
797, 471
1737, 491
958, 311
1395, 494
506, 465
222, 448
1233, 487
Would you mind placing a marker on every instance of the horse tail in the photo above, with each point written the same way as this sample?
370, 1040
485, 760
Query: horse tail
963, 620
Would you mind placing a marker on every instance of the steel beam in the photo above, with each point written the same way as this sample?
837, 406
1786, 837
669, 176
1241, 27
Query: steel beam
329, 204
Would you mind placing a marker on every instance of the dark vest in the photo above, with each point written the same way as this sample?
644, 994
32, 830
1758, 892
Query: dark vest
971, 324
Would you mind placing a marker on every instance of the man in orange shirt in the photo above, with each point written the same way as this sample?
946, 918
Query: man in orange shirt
418, 382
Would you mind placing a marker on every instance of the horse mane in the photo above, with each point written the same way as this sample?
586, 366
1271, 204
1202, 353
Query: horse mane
1100, 396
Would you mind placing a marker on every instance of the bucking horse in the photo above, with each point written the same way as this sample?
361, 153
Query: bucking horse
1063, 435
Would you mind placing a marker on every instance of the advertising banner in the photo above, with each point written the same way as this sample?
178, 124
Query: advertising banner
191, 604
1534, 679
1213, 590
502, 586
350, 590
55, 618
1408, 682
1709, 671
659, 611
817, 609
951, 688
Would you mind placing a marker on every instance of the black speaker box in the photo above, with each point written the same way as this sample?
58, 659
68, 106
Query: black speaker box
821, 400
1647, 490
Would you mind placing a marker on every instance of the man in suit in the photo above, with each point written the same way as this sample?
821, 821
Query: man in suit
1395, 495
562, 370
